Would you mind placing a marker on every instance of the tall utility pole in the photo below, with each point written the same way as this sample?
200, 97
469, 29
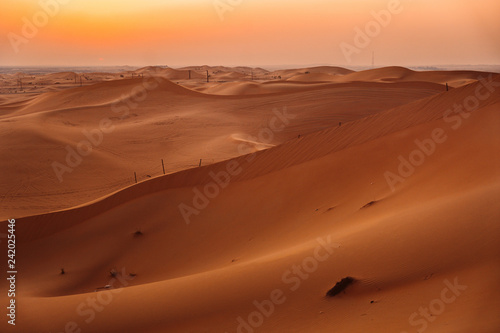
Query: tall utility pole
207, 77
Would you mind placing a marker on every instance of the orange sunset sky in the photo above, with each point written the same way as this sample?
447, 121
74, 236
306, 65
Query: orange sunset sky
253, 32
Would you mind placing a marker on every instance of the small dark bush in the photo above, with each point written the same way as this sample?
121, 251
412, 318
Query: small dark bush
340, 286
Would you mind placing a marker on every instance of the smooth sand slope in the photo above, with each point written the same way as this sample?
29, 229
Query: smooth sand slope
260, 253
146, 120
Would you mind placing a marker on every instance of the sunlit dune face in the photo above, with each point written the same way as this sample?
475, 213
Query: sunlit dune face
253, 32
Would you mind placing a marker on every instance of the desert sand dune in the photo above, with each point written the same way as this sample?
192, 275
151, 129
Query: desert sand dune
216, 73
230, 76
230, 166
170, 73
224, 69
225, 74
334, 75
294, 84
179, 124
315, 77
320, 203
387, 74
331, 70
254, 88
401, 74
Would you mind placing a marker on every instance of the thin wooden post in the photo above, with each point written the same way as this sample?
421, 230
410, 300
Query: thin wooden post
208, 77
135, 176
200, 163
446, 86
163, 166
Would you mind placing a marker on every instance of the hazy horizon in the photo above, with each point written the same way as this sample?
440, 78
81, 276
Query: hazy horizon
259, 33
495, 68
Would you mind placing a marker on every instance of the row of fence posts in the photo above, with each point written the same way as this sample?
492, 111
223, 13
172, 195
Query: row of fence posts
163, 168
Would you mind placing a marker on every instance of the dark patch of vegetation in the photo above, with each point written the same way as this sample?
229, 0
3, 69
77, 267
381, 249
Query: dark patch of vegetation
340, 286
